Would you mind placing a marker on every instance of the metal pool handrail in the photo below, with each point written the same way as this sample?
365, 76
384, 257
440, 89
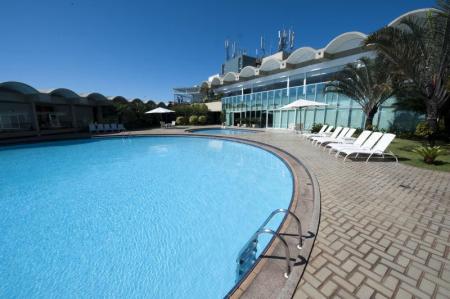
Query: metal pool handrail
249, 249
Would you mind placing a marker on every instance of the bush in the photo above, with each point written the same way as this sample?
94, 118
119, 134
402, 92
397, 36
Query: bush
193, 120
423, 130
429, 153
316, 127
181, 120
202, 119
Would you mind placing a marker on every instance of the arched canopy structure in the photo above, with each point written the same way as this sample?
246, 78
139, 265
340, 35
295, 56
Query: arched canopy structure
95, 96
204, 85
117, 99
418, 13
248, 71
270, 65
301, 55
62, 92
18, 87
230, 77
345, 41
216, 81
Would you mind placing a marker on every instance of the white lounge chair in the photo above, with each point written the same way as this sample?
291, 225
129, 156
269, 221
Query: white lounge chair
326, 140
368, 144
114, 127
342, 138
121, 128
335, 133
100, 128
107, 128
334, 146
322, 130
323, 134
92, 128
378, 149
174, 123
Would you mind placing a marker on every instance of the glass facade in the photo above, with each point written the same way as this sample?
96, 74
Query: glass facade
262, 108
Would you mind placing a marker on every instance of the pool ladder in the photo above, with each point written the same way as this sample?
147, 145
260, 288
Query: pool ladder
247, 255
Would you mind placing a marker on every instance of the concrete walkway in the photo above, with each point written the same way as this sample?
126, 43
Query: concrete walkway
384, 230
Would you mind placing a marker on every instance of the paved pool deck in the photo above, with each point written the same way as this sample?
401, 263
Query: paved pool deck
384, 228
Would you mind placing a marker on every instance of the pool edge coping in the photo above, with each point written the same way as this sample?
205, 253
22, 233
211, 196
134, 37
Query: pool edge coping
292, 282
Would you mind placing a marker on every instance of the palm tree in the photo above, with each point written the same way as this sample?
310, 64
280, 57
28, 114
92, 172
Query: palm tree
419, 50
367, 83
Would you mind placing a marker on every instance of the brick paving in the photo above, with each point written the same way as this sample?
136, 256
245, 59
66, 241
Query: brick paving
384, 230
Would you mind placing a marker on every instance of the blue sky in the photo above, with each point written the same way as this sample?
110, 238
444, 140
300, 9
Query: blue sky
144, 48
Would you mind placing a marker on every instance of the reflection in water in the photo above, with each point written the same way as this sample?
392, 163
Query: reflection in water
215, 145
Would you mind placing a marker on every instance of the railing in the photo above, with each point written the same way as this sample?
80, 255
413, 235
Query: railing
247, 255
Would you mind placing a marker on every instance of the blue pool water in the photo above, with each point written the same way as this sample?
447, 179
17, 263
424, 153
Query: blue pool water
224, 131
154, 217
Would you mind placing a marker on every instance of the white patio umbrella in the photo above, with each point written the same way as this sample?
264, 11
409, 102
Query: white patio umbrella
301, 103
159, 110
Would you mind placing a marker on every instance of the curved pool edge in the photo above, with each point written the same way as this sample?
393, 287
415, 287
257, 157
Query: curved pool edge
200, 130
266, 279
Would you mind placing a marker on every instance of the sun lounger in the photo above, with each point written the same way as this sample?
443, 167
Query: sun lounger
334, 146
307, 134
368, 144
121, 128
335, 133
325, 140
92, 128
107, 128
379, 149
100, 128
326, 132
114, 127
344, 137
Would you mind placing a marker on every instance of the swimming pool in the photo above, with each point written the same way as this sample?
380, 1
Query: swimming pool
218, 131
156, 217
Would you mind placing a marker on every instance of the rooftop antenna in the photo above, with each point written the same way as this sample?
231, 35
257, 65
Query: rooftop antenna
233, 50
282, 40
292, 40
262, 46
227, 50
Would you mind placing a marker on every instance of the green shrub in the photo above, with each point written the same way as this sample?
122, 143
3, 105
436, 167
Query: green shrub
181, 120
429, 153
193, 120
202, 119
423, 130
316, 127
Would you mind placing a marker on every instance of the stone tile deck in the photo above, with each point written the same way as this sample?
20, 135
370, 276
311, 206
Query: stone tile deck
384, 229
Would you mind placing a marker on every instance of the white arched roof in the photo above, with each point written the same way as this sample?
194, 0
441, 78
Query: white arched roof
19, 87
230, 77
94, 96
117, 98
205, 84
301, 55
271, 64
345, 41
62, 92
248, 71
419, 13
215, 81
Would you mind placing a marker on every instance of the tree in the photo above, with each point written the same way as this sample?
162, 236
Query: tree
367, 83
419, 50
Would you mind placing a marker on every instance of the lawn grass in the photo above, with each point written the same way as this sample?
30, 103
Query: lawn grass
403, 149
